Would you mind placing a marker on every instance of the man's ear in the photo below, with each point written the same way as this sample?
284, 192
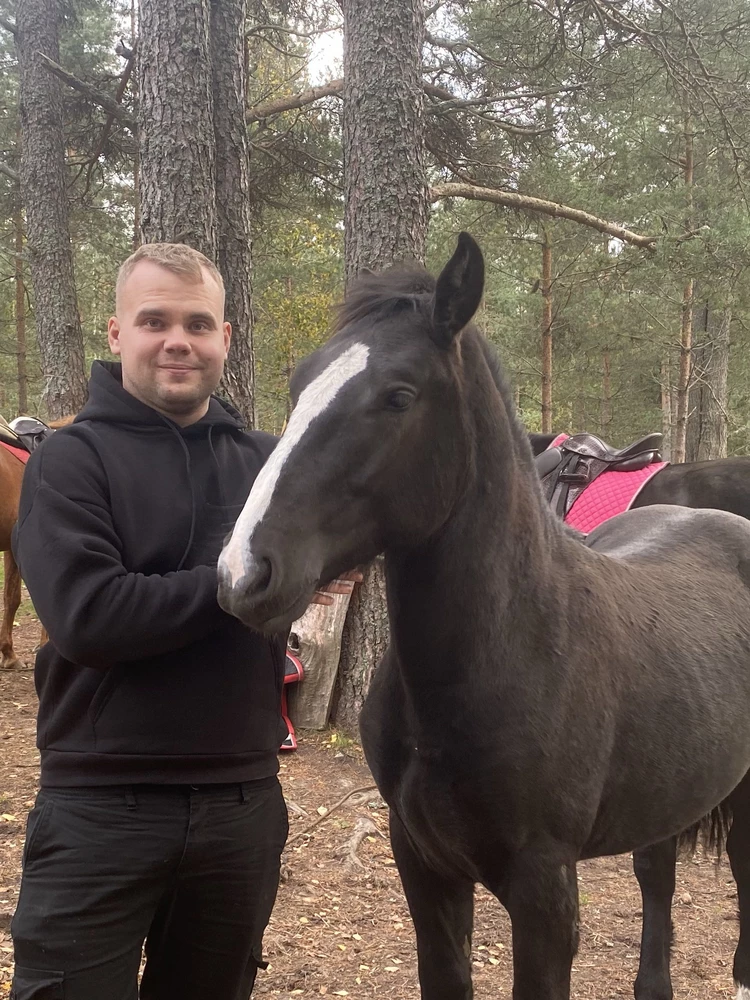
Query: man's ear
113, 334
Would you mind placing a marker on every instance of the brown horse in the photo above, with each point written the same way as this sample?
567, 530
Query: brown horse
11, 476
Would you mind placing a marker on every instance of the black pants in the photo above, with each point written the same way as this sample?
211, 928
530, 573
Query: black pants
193, 872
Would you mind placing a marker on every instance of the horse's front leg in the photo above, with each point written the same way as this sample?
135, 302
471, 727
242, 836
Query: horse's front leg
443, 913
540, 893
655, 870
11, 603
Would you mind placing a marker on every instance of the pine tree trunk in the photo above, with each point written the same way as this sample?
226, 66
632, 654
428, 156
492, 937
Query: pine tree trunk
385, 192
233, 197
44, 189
713, 443
667, 426
707, 427
137, 154
686, 327
385, 216
546, 289
698, 357
176, 134
605, 411
363, 646
23, 381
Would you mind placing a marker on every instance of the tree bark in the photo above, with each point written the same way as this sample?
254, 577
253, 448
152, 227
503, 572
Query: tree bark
176, 133
385, 191
364, 643
546, 289
44, 190
233, 197
385, 219
23, 382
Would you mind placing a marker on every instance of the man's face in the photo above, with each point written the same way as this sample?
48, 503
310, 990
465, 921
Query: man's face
171, 337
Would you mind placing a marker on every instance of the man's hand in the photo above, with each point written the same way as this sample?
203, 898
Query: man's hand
343, 584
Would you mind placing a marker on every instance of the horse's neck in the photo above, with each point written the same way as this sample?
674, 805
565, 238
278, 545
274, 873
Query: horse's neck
489, 570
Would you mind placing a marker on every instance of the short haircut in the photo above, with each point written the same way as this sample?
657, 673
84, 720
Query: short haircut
178, 258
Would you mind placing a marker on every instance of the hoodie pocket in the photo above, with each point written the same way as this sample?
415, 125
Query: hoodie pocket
104, 693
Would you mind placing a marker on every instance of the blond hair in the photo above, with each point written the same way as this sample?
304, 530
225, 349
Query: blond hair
178, 258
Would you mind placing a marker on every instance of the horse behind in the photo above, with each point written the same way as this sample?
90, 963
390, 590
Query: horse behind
11, 476
722, 483
609, 682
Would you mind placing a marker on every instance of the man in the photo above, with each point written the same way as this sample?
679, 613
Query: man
160, 817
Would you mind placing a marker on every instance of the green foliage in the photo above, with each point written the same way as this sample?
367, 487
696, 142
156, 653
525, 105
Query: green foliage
584, 104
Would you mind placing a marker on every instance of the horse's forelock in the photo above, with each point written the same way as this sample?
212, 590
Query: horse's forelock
384, 293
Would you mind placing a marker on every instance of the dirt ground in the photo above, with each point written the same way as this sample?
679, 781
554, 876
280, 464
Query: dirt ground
341, 927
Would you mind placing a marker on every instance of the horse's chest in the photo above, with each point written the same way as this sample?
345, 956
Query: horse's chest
447, 816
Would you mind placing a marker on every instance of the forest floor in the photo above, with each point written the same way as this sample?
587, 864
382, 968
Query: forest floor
341, 926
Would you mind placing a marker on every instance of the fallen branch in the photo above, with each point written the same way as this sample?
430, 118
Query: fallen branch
9, 172
297, 810
103, 100
364, 827
334, 807
525, 203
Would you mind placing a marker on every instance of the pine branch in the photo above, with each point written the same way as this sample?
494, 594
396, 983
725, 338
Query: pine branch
291, 102
279, 105
103, 100
525, 203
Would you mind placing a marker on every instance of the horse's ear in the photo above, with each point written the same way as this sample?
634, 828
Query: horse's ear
459, 290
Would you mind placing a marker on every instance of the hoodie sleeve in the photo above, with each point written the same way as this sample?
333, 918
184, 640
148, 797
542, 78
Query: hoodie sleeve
95, 611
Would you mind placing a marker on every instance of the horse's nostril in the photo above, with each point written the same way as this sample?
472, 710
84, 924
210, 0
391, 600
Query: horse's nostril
264, 574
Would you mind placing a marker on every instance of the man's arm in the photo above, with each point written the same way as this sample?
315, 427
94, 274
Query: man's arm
96, 612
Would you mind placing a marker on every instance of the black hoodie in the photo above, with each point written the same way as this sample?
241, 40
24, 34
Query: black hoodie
145, 678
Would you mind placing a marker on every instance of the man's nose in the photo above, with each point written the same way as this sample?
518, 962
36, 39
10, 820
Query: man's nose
177, 339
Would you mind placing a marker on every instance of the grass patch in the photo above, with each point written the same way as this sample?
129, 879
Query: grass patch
339, 740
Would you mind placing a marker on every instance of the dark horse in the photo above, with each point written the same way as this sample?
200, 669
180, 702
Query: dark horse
723, 483
610, 681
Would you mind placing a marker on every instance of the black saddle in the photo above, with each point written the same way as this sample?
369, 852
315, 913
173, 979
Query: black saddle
568, 468
29, 432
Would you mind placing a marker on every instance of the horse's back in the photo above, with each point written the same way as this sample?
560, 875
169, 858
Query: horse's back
722, 484
674, 534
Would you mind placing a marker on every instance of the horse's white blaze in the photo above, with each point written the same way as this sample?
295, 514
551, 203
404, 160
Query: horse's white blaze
743, 993
313, 401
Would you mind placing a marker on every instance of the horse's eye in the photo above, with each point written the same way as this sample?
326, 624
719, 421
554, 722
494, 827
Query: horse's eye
400, 399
